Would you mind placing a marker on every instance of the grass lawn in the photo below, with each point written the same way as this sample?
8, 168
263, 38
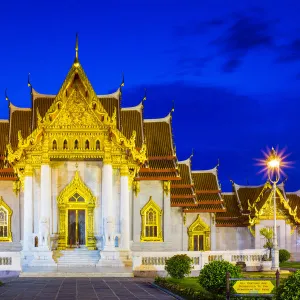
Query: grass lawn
290, 264
188, 282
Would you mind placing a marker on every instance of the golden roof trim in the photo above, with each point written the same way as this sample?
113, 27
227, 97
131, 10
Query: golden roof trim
213, 170
186, 162
14, 108
115, 95
4, 121
138, 107
36, 95
166, 119
248, 186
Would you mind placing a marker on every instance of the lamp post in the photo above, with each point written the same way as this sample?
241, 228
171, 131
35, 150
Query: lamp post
273, 167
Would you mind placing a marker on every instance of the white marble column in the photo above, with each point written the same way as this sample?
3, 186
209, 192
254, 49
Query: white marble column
136, 228
28, 209
213, 240
167, 212
288, 238
108, 209
124, 213
45, 207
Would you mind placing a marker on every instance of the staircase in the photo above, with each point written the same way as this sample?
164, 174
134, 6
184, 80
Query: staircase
79, 257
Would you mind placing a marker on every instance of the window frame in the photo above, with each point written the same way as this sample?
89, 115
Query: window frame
151, 205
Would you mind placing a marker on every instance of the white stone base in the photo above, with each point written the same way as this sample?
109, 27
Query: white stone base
110, 258
42, 258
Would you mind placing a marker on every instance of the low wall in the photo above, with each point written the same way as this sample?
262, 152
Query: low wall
10, 261
147, 264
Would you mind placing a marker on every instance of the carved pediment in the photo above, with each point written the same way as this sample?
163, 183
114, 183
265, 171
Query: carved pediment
75, 114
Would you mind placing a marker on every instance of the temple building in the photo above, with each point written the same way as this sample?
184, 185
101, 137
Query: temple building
84, 181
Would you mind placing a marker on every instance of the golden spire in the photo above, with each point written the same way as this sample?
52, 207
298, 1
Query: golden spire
76, 49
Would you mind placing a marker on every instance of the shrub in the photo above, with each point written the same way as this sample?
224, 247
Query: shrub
284, 255
289, 289
178, 266
187, 293
213, 276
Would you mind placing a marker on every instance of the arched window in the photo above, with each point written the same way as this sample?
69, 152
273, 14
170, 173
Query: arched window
87, 144
65, 144
54, 145
5, 222
76, 144
97, 145
199, 236
151, 222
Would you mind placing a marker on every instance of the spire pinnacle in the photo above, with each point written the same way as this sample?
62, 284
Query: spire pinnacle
76, 48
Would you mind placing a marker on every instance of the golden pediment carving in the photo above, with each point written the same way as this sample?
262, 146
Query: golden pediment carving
75, 114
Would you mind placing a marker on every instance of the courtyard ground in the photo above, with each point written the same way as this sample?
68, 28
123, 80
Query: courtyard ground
80, 288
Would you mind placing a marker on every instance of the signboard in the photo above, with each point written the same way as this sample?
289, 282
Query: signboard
253, 287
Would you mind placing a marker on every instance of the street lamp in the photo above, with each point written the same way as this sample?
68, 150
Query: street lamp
274, 163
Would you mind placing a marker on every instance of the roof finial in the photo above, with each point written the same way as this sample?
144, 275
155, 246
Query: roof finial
76, 48
28, 82
173, 108
218, 164
123, 82
145, 96
191, 156
6, 97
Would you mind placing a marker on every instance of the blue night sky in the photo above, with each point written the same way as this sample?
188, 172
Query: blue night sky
231, 67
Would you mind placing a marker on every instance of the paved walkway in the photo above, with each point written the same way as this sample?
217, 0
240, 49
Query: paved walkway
80, 288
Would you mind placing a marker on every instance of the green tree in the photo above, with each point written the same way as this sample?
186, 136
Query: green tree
267, 233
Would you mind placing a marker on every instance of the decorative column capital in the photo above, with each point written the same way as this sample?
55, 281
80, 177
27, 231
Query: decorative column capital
167, 187
107, 159
28, 170
136, 187
124, 171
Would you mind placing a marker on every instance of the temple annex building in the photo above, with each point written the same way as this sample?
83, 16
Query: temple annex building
84, 181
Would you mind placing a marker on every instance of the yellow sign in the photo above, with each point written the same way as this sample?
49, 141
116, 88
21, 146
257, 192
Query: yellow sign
253, 287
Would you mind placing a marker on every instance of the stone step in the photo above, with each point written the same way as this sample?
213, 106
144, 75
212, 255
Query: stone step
76, 257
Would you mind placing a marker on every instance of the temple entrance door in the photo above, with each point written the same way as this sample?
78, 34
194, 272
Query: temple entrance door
76, 227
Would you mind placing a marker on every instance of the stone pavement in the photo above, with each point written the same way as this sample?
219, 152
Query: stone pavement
81, 289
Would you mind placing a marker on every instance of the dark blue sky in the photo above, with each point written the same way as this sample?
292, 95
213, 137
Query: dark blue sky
232, 68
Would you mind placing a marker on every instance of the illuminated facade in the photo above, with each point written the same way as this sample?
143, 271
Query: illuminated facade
80, 171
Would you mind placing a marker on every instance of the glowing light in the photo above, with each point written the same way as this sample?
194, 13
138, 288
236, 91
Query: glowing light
274, 162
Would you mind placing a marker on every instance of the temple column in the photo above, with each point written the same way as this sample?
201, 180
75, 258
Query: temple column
136, 211
43, 254
110, 256
167, 212
45, 207
28, 209
124, 213
213, 240
108, 209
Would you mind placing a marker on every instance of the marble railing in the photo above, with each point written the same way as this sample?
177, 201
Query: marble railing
10, 261
148, 261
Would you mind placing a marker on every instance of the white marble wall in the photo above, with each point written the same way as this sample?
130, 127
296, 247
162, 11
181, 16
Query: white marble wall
14, 202
234, 238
